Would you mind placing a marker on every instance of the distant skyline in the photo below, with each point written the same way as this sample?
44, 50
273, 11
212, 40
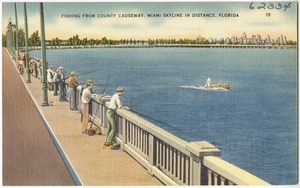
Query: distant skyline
64, 20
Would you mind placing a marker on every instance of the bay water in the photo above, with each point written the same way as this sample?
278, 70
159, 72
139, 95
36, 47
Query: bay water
254, 124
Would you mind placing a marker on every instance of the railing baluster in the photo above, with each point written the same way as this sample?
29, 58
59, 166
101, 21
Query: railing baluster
162, 155
209, 177
171, 161
148, 144
182, 167
128, 132
168, 159
158, 152
222, 180
137, 137
131, 133
178, 165
140, 139
175, 163
187, 171
215, 178
134, 135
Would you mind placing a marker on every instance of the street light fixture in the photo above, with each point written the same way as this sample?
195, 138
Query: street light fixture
43, 48
17, 35
26, 45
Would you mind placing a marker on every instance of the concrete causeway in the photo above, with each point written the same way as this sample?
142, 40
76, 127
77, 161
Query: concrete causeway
30, 157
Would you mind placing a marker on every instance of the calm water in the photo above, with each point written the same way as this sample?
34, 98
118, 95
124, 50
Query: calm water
254, 123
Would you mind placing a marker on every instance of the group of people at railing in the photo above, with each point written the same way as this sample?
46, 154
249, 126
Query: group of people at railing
66, 88
35, 66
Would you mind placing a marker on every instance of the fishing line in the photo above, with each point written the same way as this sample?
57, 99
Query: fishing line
100, 84
154, 119
89, 72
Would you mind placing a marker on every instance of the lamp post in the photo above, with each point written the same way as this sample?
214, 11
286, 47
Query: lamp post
7, 37
10, 36
13, 41
26, 46
43, 47
17, 36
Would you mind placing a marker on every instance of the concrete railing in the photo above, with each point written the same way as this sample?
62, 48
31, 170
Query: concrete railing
172, 160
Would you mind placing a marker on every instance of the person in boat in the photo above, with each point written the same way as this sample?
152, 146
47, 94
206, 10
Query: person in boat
208, 82
219, 83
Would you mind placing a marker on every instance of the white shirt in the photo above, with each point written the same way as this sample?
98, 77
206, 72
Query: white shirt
49, 75
115, 102
87, 96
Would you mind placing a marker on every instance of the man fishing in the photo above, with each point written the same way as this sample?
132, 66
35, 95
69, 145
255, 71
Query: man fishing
114, 104
59, 80
86, 97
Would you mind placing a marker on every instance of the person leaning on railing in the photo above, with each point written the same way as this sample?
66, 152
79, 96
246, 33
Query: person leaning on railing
86, 97
72, 83
114, 104
59, 77
50, 75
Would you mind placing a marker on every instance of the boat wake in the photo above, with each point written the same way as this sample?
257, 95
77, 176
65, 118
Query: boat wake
202, 88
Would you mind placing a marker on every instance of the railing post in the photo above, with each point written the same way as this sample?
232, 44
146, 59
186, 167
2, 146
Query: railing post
152, 153
124, 133
198, 150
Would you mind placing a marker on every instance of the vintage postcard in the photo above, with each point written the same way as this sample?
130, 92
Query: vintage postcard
150, 93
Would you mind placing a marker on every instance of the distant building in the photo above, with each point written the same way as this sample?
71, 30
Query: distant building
268, 39
284, 39
253, 39
211, 40
227, 40
244, 37
259, 39
200, 40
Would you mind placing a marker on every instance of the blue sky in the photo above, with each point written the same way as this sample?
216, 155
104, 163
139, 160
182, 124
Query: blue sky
252, 22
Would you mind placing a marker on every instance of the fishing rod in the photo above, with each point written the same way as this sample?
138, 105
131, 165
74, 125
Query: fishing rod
106, 83
92, 122
89, 72
154, 119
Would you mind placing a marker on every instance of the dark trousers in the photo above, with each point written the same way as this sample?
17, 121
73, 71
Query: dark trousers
55, 88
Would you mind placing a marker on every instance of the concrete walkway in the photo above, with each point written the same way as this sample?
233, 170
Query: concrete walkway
92, 164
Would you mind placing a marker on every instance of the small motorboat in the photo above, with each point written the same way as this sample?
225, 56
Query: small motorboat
217, 86
222, 86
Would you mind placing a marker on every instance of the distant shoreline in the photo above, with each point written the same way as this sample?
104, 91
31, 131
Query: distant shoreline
169, 46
